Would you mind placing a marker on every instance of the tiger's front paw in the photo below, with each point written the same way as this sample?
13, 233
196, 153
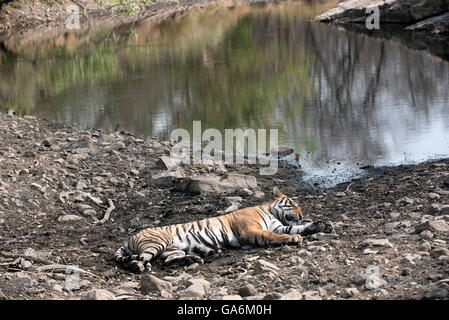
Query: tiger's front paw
317, 227
322, 226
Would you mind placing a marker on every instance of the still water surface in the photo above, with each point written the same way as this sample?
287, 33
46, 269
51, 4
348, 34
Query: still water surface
341, 99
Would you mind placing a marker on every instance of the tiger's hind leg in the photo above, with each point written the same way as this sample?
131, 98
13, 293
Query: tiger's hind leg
175, 255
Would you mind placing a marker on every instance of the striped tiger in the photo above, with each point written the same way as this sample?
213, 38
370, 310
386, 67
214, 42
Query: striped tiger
276, 222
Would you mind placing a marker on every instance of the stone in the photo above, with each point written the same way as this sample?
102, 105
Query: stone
199, 281
262, 266
99, 294
435, 253
291, 294
81, 185
370, 278
426, 235
167, 179
70, 218
437, 293
194, 291
321, 236
395, 214
152, 284
377, 243
438, 209
443, 260
433, 196
351, 292
29, 154
434, 25
259, 195
183, 276
311, 295
165, 163
411, 258
248, 290
434, 226
60, 289
231, 297
405, 201
425, 246
374, 281
272, 296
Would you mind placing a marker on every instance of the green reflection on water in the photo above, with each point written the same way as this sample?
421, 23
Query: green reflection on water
230, 68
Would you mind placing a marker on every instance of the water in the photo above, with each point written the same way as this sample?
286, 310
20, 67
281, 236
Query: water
343, 100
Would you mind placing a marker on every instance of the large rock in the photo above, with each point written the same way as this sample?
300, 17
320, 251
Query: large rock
212, 184
391, 11
151, 284
434, 226
167, 179
165, 163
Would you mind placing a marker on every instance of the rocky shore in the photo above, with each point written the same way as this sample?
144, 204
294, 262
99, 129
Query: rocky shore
22, 16
430, 17
69, 198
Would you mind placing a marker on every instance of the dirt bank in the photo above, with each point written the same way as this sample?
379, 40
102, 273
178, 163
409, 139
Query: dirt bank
56, 184
22, 16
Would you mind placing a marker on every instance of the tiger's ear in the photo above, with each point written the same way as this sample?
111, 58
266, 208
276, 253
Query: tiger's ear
277, 193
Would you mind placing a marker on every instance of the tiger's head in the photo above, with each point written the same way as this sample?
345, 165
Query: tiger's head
285, 209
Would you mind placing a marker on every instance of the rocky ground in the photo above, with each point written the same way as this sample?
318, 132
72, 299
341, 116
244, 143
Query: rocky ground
70, 198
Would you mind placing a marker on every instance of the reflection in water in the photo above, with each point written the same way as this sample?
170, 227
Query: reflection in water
335, 95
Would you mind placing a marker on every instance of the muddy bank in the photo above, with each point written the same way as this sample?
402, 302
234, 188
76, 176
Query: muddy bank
426, 18
58, 183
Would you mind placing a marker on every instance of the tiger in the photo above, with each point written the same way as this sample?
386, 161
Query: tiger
273, 223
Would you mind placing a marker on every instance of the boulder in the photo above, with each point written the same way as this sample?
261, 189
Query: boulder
165, 163
152, 284
167, 179
391, 11
232, 183
435, 25
434, 226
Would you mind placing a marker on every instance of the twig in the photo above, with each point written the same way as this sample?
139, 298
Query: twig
107, 213
349, 187
27, 257
58, 267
